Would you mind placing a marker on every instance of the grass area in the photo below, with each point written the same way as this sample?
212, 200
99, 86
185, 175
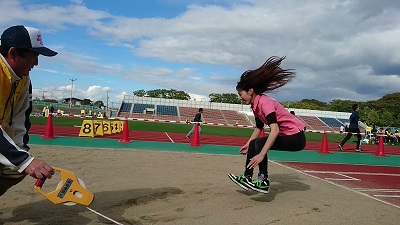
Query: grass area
181, 128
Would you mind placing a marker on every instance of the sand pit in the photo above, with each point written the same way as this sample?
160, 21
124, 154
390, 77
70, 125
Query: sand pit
150, 187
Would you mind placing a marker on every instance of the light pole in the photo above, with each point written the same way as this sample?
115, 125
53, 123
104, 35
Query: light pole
43, 94
72, 87
107, 99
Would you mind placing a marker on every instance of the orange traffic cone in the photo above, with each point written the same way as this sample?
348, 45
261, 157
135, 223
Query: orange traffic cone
125, 132
324, 147
48, 133
262, 134
196, 136
380, 151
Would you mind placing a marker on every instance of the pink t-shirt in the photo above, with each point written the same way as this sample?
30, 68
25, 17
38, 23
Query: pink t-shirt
287, 122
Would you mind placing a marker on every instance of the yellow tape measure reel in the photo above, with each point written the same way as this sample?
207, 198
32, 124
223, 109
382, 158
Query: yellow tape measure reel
69, 191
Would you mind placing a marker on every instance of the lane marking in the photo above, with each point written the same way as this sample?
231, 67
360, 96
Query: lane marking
169, 137
339, 179
339, 174
354, 173
337, 185
378, 190
387, 196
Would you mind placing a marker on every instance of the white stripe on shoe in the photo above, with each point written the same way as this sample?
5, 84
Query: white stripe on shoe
233, 178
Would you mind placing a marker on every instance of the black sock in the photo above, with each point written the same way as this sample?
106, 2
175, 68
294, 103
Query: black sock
248, 174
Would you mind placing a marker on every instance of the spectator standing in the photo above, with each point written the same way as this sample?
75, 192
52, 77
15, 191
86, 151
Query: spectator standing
197, 119
353, 129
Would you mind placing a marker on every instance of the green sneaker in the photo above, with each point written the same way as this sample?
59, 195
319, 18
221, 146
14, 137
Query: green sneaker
260, 184
241, 180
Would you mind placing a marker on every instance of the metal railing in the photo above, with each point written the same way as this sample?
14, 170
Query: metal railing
55, 105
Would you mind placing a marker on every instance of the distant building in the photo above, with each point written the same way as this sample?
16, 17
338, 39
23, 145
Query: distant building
74, 101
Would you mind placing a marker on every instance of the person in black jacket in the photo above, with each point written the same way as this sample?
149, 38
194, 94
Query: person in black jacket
197, 119
353, 129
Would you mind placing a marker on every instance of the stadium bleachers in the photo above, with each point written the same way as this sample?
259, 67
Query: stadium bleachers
313, 123
166, 110
216, 116
332, 122
140, 108
126, 107
344, 121
209, 115
233, 117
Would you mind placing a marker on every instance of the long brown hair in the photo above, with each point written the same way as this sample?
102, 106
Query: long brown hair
268, 77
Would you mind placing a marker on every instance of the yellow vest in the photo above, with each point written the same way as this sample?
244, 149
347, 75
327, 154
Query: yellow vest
10, 92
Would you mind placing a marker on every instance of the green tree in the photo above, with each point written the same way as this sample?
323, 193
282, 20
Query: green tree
373, 117
363, 113
50, 100
140, 93
397, 124
390, 103
99, 104
163, 93
231, 98
386, 119
339, 105
174, 94
86, 101
311, 104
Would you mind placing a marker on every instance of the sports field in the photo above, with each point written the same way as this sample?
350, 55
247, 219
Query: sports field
158, 178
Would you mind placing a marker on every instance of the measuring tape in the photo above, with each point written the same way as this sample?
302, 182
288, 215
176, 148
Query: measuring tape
69, 191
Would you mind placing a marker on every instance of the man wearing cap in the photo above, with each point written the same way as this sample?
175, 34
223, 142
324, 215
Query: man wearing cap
19, 50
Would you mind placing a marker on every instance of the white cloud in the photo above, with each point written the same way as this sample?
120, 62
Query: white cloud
340, 49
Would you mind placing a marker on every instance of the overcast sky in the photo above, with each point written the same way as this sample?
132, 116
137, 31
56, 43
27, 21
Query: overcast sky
340, 49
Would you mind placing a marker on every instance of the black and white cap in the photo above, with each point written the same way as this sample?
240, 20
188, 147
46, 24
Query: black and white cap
25, 37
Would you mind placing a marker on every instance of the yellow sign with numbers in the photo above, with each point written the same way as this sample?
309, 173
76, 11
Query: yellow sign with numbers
106, 127
87, 129
98, 127
114, 127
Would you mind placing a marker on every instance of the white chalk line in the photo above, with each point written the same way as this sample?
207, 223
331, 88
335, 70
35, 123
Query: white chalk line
354, 173
338, 185
169, 137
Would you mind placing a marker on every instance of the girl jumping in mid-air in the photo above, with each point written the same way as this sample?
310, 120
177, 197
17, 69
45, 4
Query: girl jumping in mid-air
286, 130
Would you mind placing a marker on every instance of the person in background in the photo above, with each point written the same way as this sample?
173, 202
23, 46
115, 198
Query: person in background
19, 51
374, 130
197, 119
374, 137
353, 129
389, 136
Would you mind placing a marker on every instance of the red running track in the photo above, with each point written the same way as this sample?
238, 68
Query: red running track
205, 139
379, 182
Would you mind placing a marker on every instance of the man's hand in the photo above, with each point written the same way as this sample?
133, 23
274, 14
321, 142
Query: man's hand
39, 169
